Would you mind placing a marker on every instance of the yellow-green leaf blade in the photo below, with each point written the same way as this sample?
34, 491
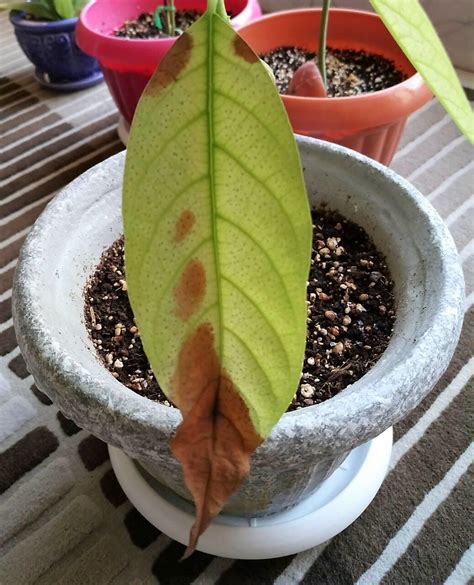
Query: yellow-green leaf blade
413, 31
217, 242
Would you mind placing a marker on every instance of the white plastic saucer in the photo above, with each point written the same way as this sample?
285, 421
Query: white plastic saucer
123, 130
333, 507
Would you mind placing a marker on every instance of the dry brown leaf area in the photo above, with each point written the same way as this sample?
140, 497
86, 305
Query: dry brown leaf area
184, 225
243, 50
216, 438
172, 65
189, 293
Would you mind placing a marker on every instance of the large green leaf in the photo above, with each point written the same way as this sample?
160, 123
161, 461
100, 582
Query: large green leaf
413, 31
217, 249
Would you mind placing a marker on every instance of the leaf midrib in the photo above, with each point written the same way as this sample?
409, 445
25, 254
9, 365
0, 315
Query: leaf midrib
214, 223
210, 118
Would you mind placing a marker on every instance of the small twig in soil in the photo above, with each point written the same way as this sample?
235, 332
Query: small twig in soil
169, 11
323, 30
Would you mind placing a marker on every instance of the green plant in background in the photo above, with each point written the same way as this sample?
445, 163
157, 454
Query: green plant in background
412, 30
217, 250
47, 9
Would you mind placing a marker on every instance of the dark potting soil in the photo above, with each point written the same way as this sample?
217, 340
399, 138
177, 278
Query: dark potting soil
350, 314
144, 26
348, 72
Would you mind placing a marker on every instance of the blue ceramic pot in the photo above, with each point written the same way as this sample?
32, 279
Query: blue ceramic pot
51, 47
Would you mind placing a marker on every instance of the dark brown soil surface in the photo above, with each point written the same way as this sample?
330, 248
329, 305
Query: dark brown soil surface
144, 26
350, 314
350, 308
348, 72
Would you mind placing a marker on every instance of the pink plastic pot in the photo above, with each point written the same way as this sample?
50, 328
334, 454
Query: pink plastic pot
128, 64
370, 123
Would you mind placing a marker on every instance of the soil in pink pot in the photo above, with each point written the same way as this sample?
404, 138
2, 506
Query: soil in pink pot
144, 27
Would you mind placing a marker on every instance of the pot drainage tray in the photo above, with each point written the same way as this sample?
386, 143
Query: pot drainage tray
328, 511
92, 79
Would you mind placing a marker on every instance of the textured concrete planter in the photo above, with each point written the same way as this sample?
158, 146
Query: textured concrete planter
64, 247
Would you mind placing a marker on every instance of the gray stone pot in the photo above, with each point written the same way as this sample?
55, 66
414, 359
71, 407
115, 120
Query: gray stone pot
64, 247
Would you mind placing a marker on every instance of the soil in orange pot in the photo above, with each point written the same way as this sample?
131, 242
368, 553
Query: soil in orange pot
349, 72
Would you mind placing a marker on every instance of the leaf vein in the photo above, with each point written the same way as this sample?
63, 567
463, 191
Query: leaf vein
184, 128
253, 356
213, 197
260, 182
265, 318
177, 273
164, 213
265, 253
238, 63
250, 113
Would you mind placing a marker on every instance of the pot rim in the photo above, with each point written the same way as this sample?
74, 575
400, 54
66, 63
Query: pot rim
19, 21
321, 423
102, 46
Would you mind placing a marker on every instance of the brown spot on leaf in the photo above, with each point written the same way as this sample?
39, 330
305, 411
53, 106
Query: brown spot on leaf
216, 438
307, 81
173, 63
243, 50
189, 293
184, 225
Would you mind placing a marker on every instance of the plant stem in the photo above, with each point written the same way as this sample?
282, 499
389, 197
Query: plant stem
170, 17
323, 30
173, 18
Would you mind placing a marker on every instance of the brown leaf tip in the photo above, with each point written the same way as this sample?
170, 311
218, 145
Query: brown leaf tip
198, 367
243, 50
189, 293
216, 438
184, 225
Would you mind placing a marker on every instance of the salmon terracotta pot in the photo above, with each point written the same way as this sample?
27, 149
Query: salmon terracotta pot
64, 248
128, 64
371, 123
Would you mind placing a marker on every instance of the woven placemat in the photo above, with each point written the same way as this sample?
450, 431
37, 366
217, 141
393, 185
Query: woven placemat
63, 516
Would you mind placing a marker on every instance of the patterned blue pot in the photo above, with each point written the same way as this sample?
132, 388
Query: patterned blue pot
51, 47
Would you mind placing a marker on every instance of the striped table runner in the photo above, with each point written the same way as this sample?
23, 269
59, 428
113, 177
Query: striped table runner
63, 517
